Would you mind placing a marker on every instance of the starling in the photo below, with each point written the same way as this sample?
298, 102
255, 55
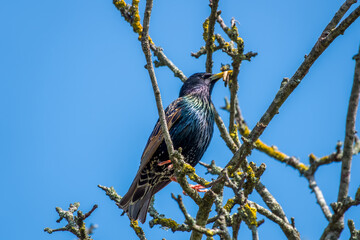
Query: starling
190, 120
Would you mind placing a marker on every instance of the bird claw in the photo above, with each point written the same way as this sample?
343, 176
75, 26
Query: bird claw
164, 162
198, 188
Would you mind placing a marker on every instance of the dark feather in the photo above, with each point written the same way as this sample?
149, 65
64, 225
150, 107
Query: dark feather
190, 120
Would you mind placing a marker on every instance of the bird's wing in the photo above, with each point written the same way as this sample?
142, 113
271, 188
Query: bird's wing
172, 114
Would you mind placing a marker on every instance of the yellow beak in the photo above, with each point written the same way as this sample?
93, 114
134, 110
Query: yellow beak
220, 75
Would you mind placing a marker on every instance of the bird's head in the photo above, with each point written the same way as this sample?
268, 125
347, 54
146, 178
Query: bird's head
200, 83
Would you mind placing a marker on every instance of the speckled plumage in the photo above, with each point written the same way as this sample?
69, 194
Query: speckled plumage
190, 120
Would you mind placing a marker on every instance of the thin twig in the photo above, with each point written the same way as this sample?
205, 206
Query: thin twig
131, 15
285, 91
350, 132
355, 234
76, 224
288, 229
254, 232
190, 221
319, 196
175, 156
239, 157
165, 61
149, 66
271, 151
336, 228
137, 229
271, 202
315, 162
339, 15
224, 133
210, 35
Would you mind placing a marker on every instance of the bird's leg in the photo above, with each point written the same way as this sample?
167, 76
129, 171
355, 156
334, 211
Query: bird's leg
164, 162
197, 187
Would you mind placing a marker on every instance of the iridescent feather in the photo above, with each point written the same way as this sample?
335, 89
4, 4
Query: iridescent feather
190, 120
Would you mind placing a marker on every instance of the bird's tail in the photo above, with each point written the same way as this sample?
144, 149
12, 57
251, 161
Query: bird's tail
136, 201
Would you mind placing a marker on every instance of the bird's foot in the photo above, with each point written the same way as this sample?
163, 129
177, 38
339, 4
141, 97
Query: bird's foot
164, 162
199, 188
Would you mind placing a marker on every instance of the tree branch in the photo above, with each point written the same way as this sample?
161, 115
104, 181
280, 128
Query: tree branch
131, 15
239, 157
355, 234
165, 61
149, 66
76, 224
339, 15
224, 133
271, 202
319, 196
271, 151
209, 29
288, 229
175, 156
138, 230
336, 228
284, 92
350, 132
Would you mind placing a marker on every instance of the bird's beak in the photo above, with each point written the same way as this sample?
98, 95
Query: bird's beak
220, 75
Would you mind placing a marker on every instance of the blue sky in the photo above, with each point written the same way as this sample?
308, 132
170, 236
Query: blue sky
77, 107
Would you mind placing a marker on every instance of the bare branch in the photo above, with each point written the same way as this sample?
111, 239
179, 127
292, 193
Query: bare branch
355, 234
146, 49
165, 61
288, 229
334, 228
285, 91
339, 15
239, 157
250, 141
317, 162
248, 215
271, 202
224, 133
350, 132
209, 29
319, 196
76, 224
138, 230
110, 191
131, 15
175, 156
271, 151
